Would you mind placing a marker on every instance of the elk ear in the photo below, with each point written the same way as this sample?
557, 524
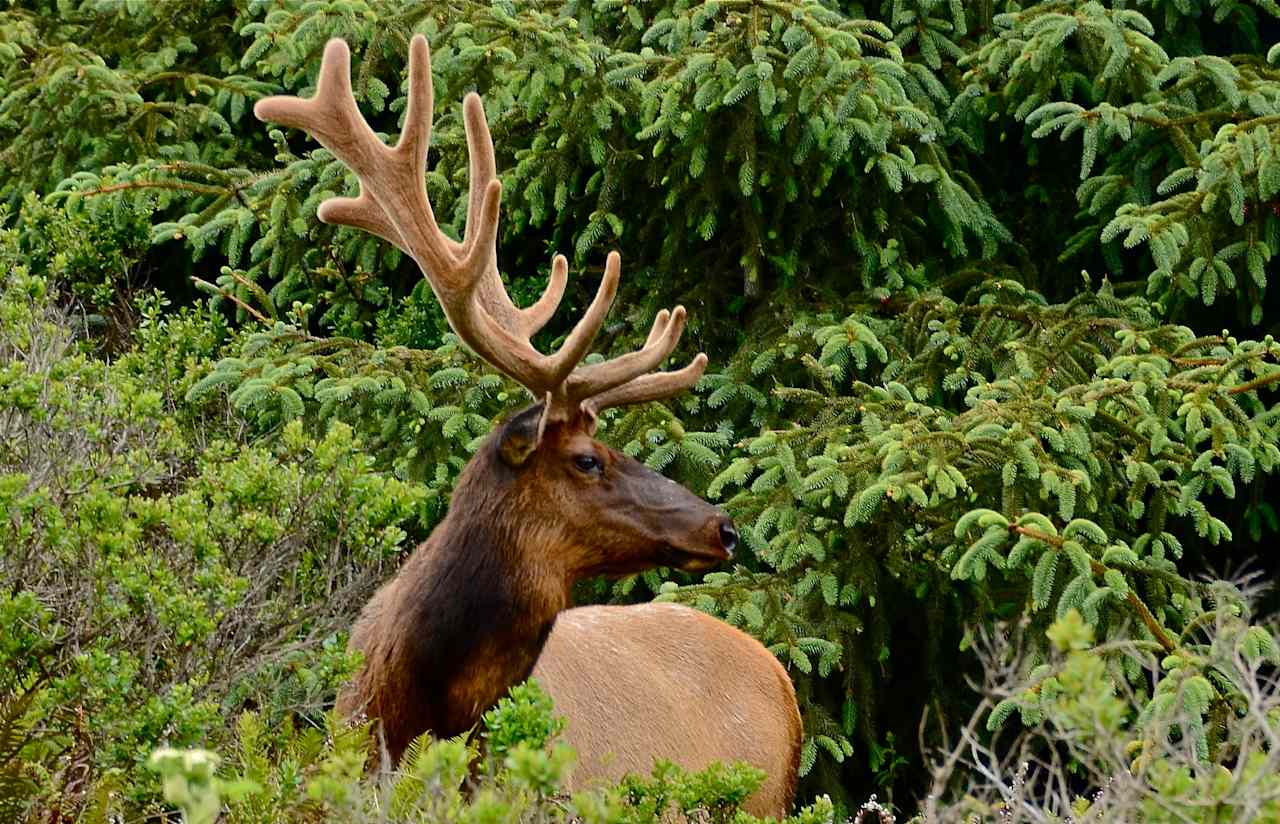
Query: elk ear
522, 434
588, 419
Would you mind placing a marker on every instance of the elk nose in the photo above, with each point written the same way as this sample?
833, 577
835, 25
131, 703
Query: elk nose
728, 536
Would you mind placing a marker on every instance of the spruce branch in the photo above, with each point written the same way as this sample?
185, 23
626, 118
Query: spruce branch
1099, 570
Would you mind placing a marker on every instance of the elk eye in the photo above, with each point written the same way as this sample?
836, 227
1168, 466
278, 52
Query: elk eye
587, 463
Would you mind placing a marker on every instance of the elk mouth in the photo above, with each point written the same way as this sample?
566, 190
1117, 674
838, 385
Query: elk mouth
692, 560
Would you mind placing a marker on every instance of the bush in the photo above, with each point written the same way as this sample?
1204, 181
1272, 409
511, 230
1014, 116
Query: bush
1094, 749
517, 777
162, 574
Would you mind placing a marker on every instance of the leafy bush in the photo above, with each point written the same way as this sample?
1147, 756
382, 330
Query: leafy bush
516, 778
160, 573
1095, 753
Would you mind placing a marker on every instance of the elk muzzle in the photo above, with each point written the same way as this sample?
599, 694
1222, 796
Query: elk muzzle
711, 544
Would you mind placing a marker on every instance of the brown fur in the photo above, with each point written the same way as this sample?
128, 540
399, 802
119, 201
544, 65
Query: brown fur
664, 681
469, 611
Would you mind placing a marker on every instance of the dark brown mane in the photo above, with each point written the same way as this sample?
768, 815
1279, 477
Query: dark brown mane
465, 618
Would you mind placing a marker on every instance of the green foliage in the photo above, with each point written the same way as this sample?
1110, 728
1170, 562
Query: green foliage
1089, 730
924, 416
800, 104
418, 411
526, 717
440, 780
1176, 146
875, 487
166, 574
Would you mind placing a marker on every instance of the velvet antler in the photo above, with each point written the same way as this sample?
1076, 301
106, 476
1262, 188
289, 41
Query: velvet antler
393, 205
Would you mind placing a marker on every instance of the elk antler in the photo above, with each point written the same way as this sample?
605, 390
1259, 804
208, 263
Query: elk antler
464, 275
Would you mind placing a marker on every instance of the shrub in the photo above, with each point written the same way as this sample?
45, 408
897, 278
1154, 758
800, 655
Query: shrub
1096, 750
516, 778
161, 575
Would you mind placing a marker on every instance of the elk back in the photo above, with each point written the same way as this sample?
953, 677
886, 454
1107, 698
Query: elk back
664, 681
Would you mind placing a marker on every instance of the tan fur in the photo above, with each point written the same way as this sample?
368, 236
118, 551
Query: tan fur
664, 681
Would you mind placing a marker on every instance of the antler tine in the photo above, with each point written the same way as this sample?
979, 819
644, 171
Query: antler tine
540, 312
650, 387
628, 380
481, 165
333, 118
415, 137
601, 377
516, 357
491, 291
364, 212
360, 213
578, 343
659, 326
392, 202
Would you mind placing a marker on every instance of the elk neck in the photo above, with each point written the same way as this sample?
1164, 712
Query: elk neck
472, 607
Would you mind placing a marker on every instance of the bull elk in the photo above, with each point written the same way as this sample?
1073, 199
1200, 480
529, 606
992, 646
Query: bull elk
542, 504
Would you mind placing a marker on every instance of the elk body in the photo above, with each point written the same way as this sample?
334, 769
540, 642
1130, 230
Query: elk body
664, 681
542, 504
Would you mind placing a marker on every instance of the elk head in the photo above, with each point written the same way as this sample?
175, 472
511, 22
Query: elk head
603, 511
606, 512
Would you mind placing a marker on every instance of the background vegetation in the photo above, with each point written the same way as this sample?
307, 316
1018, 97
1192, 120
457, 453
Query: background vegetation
992, 394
